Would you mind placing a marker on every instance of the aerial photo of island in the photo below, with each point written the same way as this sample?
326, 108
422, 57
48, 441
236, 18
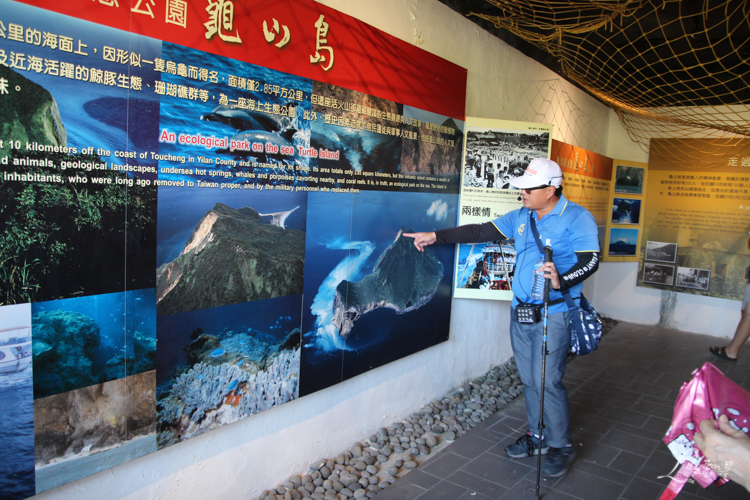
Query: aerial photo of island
370, 296
217, 248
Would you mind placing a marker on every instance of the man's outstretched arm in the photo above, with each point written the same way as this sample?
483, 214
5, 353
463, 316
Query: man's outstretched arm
470, 233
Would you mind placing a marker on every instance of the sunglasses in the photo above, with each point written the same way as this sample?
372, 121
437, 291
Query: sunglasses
529, 190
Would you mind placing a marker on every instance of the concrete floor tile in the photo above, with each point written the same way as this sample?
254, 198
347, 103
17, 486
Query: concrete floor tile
658, 424
627, 462
421, 478
594, 423
511, 426
499, 470
445, 490
476, 484
587, 486
401, 490
444, 464
665, 409
595, 452
628, 442
604, 472
471, 445
641, 431
629, 417
729, 491
660, 463
640, 489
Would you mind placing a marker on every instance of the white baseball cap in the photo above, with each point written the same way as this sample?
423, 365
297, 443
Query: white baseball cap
540, 172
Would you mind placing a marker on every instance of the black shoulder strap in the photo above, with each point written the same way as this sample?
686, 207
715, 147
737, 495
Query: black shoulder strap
535, 232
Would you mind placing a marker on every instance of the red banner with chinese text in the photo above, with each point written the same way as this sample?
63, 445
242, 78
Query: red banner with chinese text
300, 37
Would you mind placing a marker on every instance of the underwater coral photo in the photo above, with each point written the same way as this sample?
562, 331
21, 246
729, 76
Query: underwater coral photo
88, 340
217, 366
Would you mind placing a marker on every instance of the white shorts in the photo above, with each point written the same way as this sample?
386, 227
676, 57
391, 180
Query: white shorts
746, 299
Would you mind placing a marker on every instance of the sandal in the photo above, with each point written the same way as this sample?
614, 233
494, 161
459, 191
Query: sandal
721, 352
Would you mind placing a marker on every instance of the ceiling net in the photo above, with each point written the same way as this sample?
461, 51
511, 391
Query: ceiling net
670, 69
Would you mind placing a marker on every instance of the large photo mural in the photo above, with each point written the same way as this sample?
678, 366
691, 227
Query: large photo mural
202, 213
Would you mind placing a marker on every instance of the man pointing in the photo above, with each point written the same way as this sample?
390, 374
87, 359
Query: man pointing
571, 232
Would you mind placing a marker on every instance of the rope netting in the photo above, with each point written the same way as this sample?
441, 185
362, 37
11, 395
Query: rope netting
675, 69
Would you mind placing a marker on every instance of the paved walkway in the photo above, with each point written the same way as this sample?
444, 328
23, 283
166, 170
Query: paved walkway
621, 399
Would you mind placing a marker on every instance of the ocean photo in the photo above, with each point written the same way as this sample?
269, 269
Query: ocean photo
17, 410
626, 211
85, 341
368, 299
259, 105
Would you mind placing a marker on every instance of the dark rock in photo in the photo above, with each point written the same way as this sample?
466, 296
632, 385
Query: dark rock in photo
403, 279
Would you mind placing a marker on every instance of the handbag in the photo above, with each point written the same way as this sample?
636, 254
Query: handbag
584, 323
708, 395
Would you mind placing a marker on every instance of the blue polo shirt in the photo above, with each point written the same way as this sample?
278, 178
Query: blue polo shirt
567, 229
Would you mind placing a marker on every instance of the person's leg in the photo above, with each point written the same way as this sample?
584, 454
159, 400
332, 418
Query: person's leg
522, 341
740, 336
556, 407
742, 333
526, 341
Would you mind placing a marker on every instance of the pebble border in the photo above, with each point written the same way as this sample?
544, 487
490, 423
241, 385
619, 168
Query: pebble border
375, 463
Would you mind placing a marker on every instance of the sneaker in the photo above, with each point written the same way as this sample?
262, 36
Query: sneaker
525, 446
558, 461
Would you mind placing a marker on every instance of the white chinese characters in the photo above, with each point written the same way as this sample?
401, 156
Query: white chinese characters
321, 43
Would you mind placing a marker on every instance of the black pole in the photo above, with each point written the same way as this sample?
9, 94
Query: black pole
547, 258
